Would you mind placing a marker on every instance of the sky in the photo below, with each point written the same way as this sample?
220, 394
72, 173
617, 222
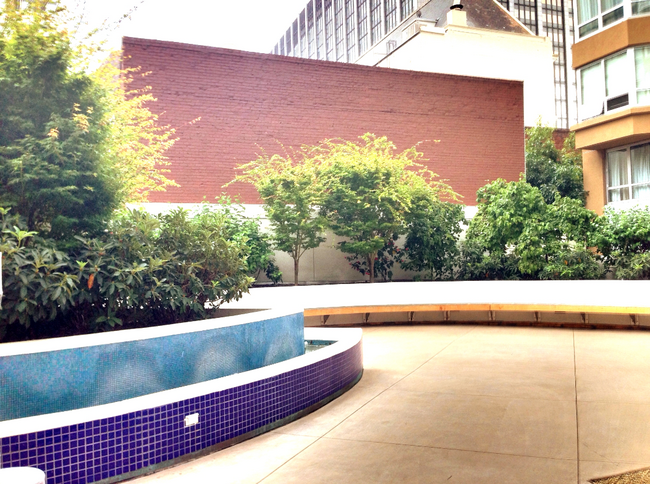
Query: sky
251, 25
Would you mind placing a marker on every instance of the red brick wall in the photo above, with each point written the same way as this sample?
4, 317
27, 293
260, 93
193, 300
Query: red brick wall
559, 136
245, 100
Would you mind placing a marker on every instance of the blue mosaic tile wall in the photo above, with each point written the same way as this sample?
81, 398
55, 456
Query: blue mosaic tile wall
102, 449
96, 375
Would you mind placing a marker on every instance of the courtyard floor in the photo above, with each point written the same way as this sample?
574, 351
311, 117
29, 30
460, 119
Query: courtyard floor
462, 404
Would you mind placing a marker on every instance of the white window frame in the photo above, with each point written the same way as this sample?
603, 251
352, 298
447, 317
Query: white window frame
629, 185
627, 13
591, 111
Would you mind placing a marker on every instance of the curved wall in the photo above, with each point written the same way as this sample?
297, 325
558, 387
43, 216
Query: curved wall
117, 441
104, 368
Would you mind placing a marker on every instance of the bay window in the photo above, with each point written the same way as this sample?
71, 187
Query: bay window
617, 81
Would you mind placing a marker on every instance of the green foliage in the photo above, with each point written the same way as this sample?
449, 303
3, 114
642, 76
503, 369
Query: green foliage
369, 189
553, 171
260, 252
290, 190
515, 234
623, 238
434, 228
145, 270
74, 144
50, 128
383, 265
135, 147
478, 263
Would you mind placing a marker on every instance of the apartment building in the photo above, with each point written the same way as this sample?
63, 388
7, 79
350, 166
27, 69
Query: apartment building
612, 62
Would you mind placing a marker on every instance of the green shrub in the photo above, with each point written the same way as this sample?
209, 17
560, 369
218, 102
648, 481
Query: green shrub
553, 171
432, 237
145, 270
260, 259
517, 235
623, 238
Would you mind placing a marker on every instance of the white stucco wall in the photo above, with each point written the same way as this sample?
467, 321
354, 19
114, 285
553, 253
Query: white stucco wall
462, 50
321, 265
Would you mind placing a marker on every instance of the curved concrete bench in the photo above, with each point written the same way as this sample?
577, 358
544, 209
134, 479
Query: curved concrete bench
548, 303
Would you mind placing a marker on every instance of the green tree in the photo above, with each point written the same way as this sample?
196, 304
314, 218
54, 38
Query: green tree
432, 238
290, 190
516, 234
51, 171
135, 146
369, 190
551, 170
74, 144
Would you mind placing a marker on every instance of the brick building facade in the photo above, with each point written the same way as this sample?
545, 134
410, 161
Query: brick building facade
247, 102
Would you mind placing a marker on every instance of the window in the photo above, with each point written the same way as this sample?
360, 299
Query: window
591, 103
406, 8
640, 7
628, 173
642, 66
320, 35
303, 35
553, 24
375, 21
311, 45
288, 41
620, 80
526, 12
329, 30
362, 13
616, 81
350, 29
296, 43
390, 6
597, 14
339, 21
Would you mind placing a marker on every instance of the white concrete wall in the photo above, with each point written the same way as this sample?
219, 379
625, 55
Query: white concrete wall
468, 51
321, 265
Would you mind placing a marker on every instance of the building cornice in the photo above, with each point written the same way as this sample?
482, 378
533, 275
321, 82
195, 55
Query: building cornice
613, 129
628, 33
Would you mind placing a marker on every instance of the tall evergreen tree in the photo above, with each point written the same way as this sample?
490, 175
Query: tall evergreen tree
50, 127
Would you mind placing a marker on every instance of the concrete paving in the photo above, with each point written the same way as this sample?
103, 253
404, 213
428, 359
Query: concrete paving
462, 404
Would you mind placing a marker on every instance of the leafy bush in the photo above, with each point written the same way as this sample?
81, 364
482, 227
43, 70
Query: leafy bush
432, 237
260, 251
553, 171
623, 238
517, 235
50, 127
145, 270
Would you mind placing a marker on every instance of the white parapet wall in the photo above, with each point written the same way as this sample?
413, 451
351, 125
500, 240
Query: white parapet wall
323, 265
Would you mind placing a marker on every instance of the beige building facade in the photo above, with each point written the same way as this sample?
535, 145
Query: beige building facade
612, 63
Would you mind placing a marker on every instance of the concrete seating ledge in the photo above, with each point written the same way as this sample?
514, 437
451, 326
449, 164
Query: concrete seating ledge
608, 303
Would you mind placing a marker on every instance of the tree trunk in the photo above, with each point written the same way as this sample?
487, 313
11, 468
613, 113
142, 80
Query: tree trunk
295, 271
371, 264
